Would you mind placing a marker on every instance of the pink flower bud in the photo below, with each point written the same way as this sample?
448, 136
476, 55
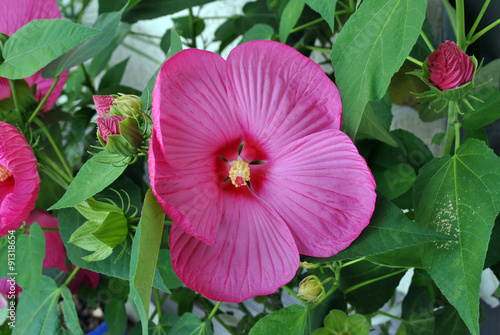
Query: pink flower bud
108, 125
449, 67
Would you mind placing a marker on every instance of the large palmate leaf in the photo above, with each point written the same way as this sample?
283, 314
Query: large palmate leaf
108, 24
325, 8
38, 43
94, 176
459, 196
363, 60
145, 249
290, 320
389, 229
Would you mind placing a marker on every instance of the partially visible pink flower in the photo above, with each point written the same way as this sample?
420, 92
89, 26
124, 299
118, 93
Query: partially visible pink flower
108, 125
103, 104
19, 180
449, 67
14, 15
239, 225
55, 254
8, 289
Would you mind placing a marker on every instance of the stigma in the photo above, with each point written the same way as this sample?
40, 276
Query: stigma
239, 173
5, 174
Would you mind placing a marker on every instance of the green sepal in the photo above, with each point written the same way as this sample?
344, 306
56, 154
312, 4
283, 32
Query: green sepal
119, 146
101, 253
131, 132
113, 230
83, 238
96, 211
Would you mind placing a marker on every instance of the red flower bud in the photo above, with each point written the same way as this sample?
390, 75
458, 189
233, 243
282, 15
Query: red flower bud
449, 67
108, 125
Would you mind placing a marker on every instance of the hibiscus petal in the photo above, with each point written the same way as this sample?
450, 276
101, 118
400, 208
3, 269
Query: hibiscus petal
103, 104
322, 188
190, 110
278, 95
190, 197
17, 156
254, 253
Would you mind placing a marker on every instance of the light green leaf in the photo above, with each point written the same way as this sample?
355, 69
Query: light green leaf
338, 323
189, 324
83, 238
102, 252
325, 8
145, 249
69, 311
289, 18
93, 177
459, 196
39, 42
259, 31
363, 59
389, 229
113, 230
289, 320
166, 271
38, 316
30, 252
108, 24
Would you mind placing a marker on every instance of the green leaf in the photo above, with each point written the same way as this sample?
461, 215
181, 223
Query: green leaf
116, 316
189, 26
289, 320
39, 42
289, 18
113, 230
145, 249
326, 9
370, 297
389, 229
418, 311
93, 177
364, 63
108, 24
189, 324
30, 252
485, 112
166, 271
338, 323
490, 74
114, 75
260, 31
150, 9
448, 321
371, 127
38, 316
69, 312
395, 181
459, 196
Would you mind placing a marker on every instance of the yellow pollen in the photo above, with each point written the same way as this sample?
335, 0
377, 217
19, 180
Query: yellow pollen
239, 173
4, 174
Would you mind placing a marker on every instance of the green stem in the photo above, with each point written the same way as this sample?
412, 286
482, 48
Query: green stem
71, 276
391, 316
426, 40
191, 22
214, 310
478, 19
289, 290
56, 148
306, 25
461, 42
158, 304
330, 291
484, 31
16, 103
450, 128
353, 261
413, 60
457, 135
44, 100
313, 48
355, 287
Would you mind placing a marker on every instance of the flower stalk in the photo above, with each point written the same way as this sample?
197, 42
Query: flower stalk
44, 100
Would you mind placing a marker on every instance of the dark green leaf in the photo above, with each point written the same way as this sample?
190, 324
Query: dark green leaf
260, 31
166, 271
459, 196
95, 175
289, 18
448, 321
490, 73
286, 321
108, 24
189, 324
39, 42
145, 249
189, 26
326, 9
485, 112
150, 9
114, 75
116, 317
371, 297
395, 181
30, 252
363, 62
418, 311
389, 229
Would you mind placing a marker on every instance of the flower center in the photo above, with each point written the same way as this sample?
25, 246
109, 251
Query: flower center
239, 173
5, 174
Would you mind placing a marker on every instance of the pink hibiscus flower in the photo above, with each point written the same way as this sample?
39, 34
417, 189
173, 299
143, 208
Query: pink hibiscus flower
14, 15
19, 180
55, 254
248, 161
